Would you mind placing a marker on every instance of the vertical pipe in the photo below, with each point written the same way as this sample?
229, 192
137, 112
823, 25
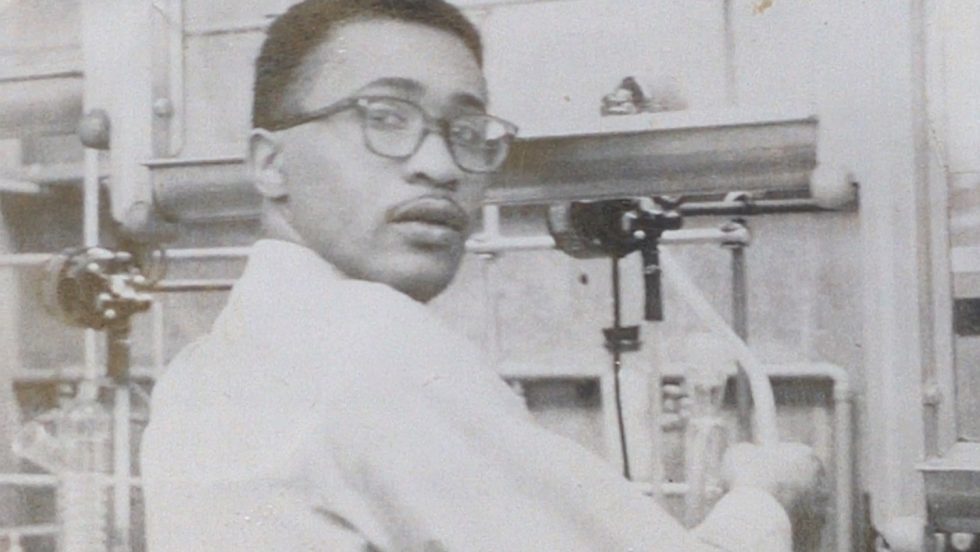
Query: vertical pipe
90, 238
655, 405
122, 469
844, 496
119, 363
90, 206
740, 323
159, 353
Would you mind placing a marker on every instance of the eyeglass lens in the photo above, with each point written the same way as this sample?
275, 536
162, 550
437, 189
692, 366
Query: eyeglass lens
395, 128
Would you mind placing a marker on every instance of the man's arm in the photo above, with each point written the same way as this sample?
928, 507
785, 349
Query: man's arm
245, 516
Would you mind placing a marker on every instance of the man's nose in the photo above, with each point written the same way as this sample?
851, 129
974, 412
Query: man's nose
433, 162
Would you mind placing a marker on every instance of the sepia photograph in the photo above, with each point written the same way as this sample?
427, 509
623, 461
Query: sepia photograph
489, 275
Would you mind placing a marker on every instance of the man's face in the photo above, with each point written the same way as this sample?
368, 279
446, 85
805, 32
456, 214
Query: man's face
400, 222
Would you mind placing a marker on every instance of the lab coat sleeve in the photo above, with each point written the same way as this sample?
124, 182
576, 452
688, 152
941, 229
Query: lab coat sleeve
747, 519
247, 516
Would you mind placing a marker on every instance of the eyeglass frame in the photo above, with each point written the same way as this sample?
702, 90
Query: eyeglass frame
438, 125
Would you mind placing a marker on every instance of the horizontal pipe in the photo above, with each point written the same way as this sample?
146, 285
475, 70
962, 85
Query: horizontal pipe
759, 207
53, 375
208, 253
477, 244
28, 531
54, 73
24, 260
226, 29
49, 480
45, 175
14, 186
189, 286
666, 489
481, 245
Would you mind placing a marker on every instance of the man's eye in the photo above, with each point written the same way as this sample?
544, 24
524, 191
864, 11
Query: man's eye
468, 134
385, 117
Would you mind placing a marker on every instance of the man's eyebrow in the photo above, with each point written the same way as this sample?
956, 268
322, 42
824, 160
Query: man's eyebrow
402, 84
412, 87
466, 100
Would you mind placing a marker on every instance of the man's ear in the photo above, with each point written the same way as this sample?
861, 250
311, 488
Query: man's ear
265, 164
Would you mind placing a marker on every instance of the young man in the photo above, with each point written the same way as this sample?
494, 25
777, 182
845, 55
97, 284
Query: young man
328, 409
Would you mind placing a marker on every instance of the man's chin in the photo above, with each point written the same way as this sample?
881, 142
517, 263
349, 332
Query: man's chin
422, 290
423, 277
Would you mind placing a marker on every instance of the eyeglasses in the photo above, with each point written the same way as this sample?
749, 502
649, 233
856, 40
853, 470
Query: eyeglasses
395, 128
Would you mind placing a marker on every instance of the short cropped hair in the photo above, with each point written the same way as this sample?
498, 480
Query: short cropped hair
303, 27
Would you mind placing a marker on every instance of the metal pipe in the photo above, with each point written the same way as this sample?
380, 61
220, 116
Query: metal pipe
24, 260
213, 253
15, 186
234, 28
740, 323
749, 208
28, 531
48, 480
158, 332
50, 174
188, 286
122, 468
486, 244
665, 489
478, 244
90, 205
90, 238
36, 75
765, 404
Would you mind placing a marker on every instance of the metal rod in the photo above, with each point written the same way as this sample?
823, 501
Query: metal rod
47, 480
42, 75
90, 238
234, 28
18, 186
617, 368
740, 324
759, 207
478, 244
118, 345
28, 531
121, 468
484, 244
190, 286
159, 337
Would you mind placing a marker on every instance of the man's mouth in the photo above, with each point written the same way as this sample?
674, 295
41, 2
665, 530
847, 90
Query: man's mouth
432, 211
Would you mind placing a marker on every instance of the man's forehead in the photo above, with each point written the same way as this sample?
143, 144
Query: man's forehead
398, 56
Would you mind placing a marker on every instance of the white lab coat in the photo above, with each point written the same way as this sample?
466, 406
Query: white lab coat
323, 413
